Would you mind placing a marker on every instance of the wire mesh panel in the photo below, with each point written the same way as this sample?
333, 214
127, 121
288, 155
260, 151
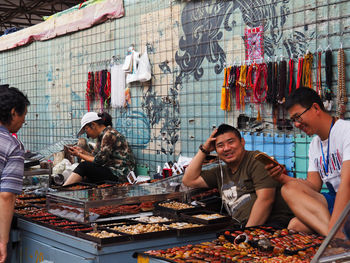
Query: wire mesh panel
189, 44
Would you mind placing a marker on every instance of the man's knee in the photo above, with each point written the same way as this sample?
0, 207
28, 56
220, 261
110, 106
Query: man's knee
289, 189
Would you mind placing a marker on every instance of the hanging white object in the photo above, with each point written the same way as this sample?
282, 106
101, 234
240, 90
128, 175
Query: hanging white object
135, 61
132, 76
128, 63
144, 68
117, 86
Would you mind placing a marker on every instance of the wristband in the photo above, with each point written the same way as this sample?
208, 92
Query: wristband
203, 150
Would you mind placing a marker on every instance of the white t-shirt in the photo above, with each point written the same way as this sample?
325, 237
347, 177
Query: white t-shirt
339, 151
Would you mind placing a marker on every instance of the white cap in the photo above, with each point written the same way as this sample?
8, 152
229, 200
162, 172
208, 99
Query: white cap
87, 118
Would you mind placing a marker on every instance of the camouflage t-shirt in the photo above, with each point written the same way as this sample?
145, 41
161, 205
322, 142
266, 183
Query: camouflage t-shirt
113, 151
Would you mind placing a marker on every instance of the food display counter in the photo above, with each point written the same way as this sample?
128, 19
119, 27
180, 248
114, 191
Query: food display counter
42, 236
152, 222
263, 244
255, 244
38, 243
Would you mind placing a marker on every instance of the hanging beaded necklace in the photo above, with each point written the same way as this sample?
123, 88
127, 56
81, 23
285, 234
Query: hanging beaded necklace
307, 71
329, 75
318, 75
242, 85
260, 88
300, 72
341, 89
291, 78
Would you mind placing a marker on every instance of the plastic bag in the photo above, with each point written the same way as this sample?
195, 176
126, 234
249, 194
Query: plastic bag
144, 68
132, 76
143, 71
127, 66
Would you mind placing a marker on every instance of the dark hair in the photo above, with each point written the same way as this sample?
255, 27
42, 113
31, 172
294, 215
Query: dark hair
305, 97
224, 128
11, 98
106, 119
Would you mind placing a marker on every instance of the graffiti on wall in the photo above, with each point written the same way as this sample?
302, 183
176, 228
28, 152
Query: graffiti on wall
203, 28
135, 126
203, 24
161, 112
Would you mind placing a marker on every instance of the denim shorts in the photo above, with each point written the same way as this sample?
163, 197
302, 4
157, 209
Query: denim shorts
330, 201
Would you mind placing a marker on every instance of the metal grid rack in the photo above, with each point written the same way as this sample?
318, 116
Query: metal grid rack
189, 43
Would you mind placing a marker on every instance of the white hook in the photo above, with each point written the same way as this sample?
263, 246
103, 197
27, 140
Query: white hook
320, 49
328, 47
281, 57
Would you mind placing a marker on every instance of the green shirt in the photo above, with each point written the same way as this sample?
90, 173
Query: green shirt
238, 189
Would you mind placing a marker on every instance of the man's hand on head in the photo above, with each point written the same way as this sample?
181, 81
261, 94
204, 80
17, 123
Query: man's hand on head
209, 145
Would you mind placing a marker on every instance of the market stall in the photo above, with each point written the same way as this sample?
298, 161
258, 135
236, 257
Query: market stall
40, 243
263, 244
256, 244
154, 222
105, 222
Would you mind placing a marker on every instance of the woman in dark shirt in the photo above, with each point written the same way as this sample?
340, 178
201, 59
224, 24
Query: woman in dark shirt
112, 158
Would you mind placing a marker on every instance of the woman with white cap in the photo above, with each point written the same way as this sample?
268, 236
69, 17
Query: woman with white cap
112, 158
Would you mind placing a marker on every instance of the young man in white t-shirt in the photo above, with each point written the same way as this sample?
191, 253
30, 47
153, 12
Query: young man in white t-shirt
329, 163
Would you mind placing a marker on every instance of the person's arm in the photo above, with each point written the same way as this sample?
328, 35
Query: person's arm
279, 173
86, 157
192, 176
313, 180
343, 194
262, 206
81, 153
7, 203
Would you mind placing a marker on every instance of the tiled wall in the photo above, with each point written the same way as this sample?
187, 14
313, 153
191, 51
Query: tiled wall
189, 44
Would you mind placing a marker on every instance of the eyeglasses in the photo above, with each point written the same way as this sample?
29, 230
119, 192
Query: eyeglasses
298, 118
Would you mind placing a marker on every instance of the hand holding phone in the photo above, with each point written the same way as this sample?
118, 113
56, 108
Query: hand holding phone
74, 150
265, 159
69, 148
